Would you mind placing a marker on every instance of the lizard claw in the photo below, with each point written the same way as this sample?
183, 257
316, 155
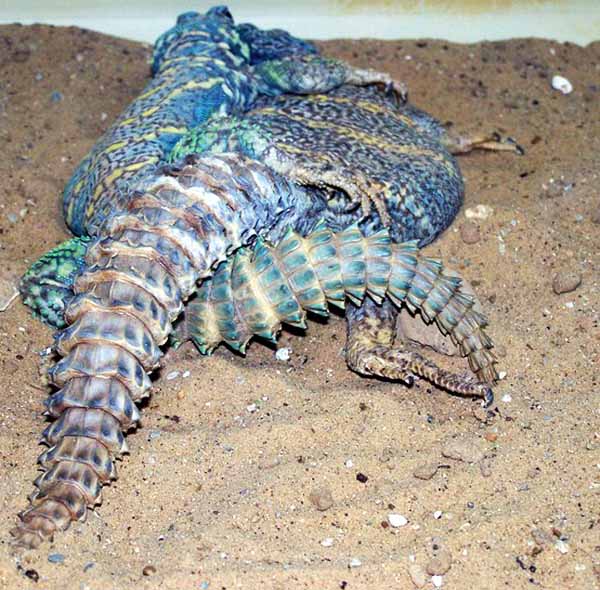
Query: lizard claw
398, 91
409, 380
488, 397
518, 149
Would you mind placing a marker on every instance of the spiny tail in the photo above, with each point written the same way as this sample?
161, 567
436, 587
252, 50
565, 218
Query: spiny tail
132, 289
253, 293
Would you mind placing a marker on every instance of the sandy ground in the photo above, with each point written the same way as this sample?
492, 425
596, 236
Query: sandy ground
217, 490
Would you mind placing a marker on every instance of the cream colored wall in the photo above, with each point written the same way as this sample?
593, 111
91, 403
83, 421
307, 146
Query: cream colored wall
457, 20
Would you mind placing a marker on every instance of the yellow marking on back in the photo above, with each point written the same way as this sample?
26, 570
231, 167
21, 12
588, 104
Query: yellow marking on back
137, 165
114, 146
190, 85
188, 60
410, 149
179, 130
193, 85
118, 172
152, 91
366, 105
149, 111
126, 122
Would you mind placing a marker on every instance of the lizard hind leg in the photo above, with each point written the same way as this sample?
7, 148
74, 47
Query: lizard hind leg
375, 349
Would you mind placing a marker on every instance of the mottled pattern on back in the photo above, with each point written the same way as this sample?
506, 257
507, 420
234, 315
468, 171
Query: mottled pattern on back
398, 147
361, 130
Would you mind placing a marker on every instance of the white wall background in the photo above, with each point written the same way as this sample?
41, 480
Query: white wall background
577, 21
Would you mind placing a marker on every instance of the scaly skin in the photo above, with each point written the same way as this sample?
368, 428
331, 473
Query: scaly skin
361, 132
351, 145
350, 142
174, 231
253, 293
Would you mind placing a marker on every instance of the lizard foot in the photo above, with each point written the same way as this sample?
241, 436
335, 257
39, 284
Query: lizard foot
359, 189
374, 349
463, 144
367, 77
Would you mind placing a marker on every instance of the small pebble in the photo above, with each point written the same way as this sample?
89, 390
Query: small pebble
251, 408
349, 463
425, 471
491, 436
437, 514
501, 352
362, 478
397, 520
56, 96
562, 546
154, 434
437, 581
541, 537
565, 282
562, 84
56, 558
149, 570
479, 212
464, 449
283, 354
440, 564
8, 293
417, 575
469, 233
355, 562
485, 467
506, 398
387, 454
321, 498
172, 375
327, 542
